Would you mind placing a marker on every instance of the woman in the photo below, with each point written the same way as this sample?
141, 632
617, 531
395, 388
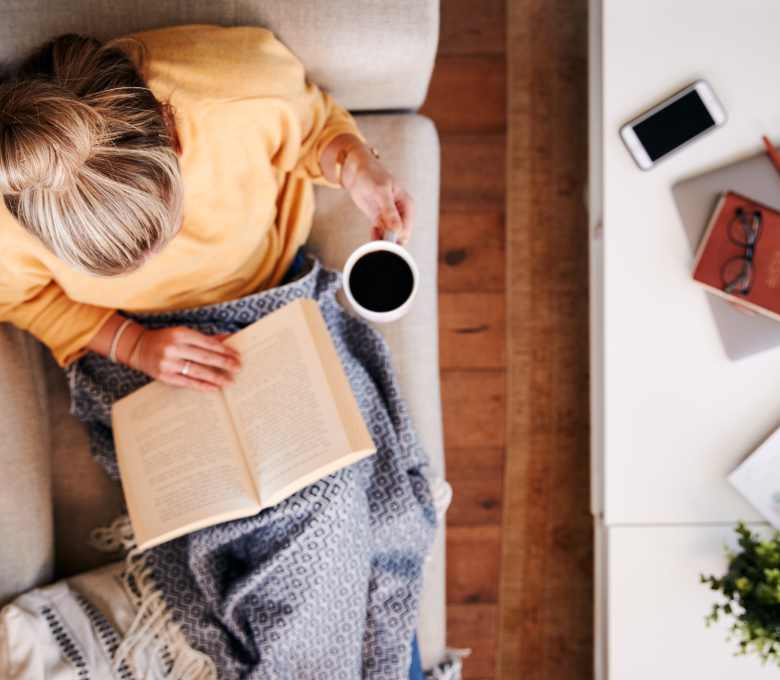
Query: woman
167, 169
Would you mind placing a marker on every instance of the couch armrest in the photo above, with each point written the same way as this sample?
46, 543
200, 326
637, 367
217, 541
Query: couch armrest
370, 55
26, 533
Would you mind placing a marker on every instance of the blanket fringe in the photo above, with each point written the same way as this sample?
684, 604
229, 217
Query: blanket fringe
451, 667
442, 496
154, 641
117, 536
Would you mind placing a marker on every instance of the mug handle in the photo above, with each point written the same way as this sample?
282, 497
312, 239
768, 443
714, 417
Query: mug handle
390, 235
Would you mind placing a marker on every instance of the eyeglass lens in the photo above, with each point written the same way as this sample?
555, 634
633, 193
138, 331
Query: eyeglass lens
744, 229
737, 272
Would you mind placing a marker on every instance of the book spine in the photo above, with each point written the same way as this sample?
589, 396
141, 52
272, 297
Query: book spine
740, 301
710, 226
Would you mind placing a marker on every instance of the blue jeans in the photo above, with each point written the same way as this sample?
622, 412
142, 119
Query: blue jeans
296, 266
415, 669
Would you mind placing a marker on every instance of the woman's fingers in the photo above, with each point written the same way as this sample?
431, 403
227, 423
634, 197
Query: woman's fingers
179, 380
396, 214
211, 363
406, 211
189, 336
391, 219
207, 374
172, 368
208, 358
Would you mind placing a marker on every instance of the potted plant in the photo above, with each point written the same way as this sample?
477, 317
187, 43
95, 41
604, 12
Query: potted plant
751, 588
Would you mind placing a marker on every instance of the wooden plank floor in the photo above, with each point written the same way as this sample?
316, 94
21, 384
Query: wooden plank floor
467, 101
546, 590
519, 576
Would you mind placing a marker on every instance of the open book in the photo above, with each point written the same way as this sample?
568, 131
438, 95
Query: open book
191, 459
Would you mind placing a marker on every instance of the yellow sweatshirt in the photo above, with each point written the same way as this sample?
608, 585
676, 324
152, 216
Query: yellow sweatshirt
252, 129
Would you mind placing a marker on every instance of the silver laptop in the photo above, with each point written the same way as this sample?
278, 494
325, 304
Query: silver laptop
742, 334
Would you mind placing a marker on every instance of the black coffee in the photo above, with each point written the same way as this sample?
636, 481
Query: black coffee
381, 281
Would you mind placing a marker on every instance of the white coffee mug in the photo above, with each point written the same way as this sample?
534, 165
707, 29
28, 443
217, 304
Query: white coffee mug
387, 244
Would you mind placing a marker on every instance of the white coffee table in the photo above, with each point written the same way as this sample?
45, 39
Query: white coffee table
671, 415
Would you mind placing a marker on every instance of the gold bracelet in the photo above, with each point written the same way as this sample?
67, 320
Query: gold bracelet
341, 158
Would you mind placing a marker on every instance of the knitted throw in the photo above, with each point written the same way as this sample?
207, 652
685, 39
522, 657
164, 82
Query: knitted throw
323, 585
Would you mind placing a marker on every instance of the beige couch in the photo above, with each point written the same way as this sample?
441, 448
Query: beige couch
376, 58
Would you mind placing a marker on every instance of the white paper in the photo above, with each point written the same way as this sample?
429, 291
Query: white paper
758, 479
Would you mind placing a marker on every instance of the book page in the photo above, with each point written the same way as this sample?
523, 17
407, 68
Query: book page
180, 462
283, 408
340, 389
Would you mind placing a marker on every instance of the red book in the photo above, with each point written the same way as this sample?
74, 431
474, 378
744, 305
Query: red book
741, 247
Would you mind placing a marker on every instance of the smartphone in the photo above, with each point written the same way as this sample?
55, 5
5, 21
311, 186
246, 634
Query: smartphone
686, 115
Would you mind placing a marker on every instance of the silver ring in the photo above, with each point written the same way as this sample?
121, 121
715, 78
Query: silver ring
186, 368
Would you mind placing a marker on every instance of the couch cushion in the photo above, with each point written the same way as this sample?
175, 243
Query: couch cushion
369, 55
25, 500
84, 496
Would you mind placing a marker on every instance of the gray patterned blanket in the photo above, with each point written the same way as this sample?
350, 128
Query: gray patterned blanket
325, 584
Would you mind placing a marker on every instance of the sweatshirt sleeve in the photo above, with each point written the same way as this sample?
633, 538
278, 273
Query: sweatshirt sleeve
33, 301
318, 117
325, 121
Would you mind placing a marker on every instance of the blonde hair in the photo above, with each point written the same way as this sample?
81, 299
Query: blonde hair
88, 160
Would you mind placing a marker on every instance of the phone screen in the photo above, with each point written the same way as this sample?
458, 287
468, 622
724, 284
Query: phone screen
673, 125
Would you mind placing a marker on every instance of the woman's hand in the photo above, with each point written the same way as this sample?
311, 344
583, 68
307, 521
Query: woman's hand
378, 195
371, 186
163, 354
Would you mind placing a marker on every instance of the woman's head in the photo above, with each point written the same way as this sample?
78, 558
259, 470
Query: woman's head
88, 160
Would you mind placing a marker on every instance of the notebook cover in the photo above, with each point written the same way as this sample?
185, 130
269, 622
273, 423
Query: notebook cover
758, 479
716, 248
742, 336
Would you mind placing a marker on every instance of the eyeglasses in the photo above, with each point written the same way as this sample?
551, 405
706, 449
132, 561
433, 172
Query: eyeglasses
737, 272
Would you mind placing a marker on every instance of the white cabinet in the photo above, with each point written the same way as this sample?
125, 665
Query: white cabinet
657, 607
671, 415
